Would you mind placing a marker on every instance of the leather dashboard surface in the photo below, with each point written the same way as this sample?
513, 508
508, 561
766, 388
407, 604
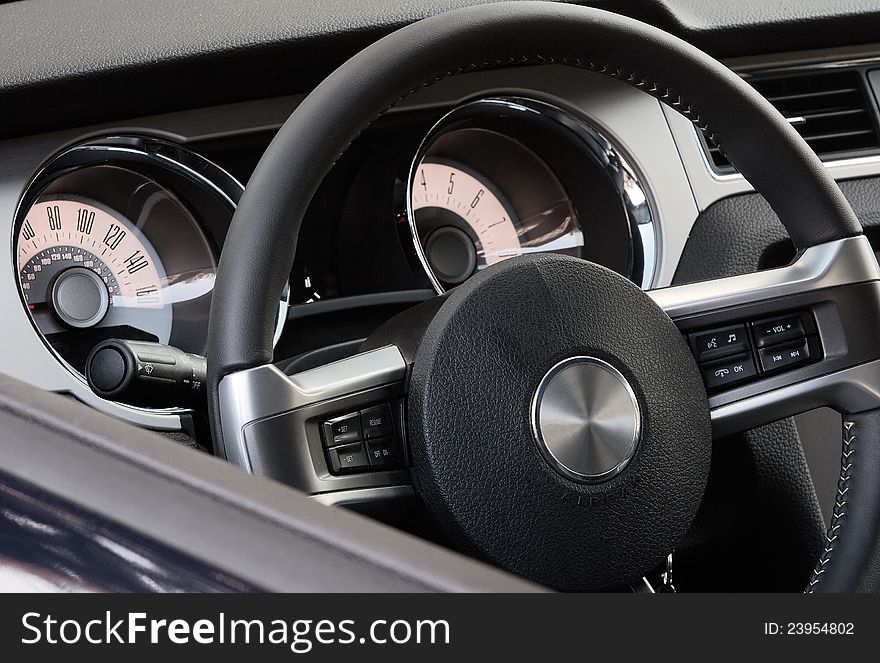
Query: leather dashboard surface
79, 62
741, 234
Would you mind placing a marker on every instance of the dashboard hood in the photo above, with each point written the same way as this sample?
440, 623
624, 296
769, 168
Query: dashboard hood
137, 59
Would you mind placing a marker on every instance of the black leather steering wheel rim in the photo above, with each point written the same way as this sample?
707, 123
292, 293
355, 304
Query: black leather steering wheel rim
754, 136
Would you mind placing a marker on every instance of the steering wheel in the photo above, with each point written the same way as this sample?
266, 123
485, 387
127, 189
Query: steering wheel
550, 413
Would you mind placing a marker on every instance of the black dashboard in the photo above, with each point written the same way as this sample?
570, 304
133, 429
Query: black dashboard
143, 63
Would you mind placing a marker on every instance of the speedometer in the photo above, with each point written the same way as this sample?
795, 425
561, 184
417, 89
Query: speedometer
117, 237
82, 267
63, 243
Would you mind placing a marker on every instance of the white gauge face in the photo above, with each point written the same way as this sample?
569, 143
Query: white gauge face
469, 202
83, 267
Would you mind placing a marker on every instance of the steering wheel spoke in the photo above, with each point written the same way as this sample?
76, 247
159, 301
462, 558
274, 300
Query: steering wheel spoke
336, 431
814, 318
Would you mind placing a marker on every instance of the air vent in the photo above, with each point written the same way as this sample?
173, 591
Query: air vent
830, 109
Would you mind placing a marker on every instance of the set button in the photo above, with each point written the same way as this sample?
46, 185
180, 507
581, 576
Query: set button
361, 441
342, 429
348, 458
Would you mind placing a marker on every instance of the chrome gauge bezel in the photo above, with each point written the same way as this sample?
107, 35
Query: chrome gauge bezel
634, 195
132, 151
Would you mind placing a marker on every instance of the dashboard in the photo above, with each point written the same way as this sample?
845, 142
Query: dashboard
116, 230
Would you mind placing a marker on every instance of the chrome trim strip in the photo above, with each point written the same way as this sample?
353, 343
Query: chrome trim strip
747, 67
264, 391
281, 315
736, 176
855, 389
709, 187
641, 586
842, 262
362, 495
650, 250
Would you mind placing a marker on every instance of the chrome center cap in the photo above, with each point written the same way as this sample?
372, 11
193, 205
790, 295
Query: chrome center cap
586, 419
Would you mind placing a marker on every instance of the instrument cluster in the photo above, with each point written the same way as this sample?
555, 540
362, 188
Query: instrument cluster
119, 237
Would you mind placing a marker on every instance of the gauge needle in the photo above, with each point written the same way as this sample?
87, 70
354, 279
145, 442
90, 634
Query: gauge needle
182, 291
570, 241
36, 307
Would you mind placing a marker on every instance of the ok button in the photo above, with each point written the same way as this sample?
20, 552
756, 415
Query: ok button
729, 371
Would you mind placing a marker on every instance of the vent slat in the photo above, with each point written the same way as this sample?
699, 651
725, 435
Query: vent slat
831, 108
810, 95
839, 134
820, 115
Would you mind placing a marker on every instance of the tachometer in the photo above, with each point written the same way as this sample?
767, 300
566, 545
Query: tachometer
466, 223
505, 176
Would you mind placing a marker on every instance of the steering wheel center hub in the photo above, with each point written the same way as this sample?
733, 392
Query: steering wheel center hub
586, 419
578, 450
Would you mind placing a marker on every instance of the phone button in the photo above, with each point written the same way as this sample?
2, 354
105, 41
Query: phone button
719, 342
720, 374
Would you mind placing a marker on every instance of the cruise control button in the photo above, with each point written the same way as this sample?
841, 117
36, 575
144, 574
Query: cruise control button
784, 357
382, 453
729, 371
342, 430
348, 458
720, 342
376, 421
777, 330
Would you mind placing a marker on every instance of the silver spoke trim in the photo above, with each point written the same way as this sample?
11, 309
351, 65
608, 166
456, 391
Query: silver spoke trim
842, 262
855, 389
253, 394
264, 391
833, 264
363, 495
839, 263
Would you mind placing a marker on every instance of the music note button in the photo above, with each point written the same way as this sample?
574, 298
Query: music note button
719, 342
